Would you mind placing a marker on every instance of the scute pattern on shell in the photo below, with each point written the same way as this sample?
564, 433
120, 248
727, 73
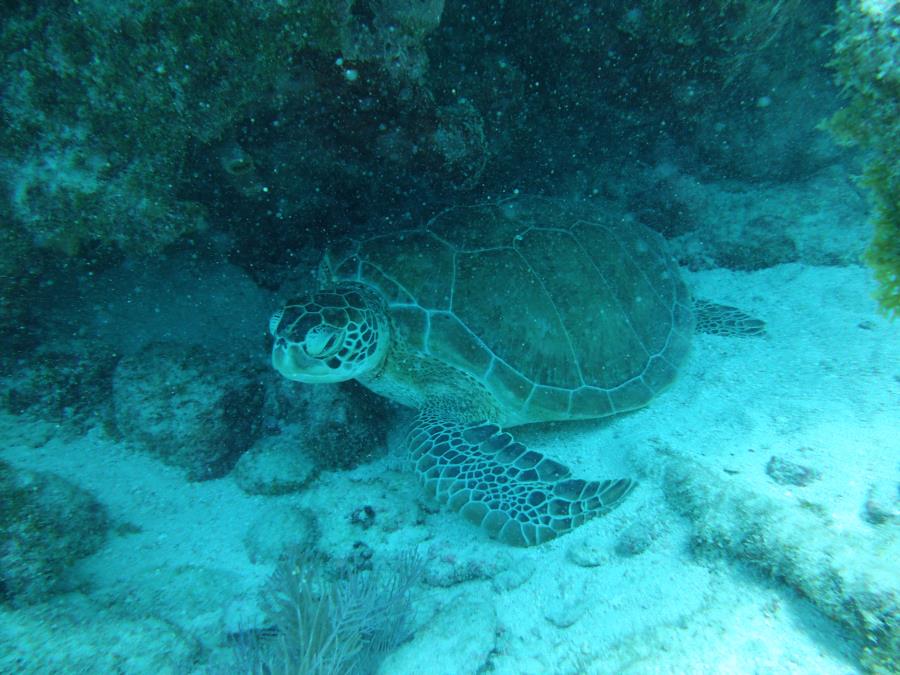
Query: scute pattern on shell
560, 311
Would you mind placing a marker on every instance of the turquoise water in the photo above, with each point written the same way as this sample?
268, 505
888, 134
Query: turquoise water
183, 178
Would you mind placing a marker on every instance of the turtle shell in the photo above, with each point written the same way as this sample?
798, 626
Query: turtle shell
560, 311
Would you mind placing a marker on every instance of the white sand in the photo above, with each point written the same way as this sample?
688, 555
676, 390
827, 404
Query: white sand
820, 390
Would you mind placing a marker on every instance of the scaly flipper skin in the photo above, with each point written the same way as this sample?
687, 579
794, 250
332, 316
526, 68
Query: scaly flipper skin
519, 496
726, 321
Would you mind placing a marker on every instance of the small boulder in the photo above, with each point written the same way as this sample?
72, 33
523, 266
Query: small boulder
276, 465
278, 529
587, 552
637, 538
785, 472
46, 525
68, 387
882, 503
191, 407
343, 425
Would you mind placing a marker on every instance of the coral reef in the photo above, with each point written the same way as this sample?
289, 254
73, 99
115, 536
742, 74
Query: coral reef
682, 80
322, 625
104, 102
132, 126
61, 386
342, 424
867, 64
191, 407
90, 636
277, 464
846, 578
135, 126
46, 525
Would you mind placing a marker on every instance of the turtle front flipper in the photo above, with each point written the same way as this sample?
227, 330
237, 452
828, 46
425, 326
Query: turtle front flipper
725, 320
521, 497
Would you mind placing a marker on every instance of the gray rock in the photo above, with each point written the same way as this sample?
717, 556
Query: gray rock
77, 634
343, 425
763, 243
786, 472
637, 538
276, 465
46, 525
452, 569
748, 227
769, 140
71, 387
587, 553
882, 503
280, 527
191, 407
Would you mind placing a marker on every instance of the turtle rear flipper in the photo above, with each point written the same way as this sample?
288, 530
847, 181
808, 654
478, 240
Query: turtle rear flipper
521, 497
725, 320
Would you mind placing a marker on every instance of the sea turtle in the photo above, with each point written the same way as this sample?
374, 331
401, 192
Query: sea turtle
521, 310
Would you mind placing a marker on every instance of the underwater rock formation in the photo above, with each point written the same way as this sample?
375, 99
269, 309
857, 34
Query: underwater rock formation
46, 525
192, 408
341, 425
840, 575
277, 464
867, 63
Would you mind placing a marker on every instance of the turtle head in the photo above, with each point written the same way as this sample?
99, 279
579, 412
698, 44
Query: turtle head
330, 336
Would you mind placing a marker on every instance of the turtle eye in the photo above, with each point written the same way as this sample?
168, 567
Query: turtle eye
330, 344
322, 342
